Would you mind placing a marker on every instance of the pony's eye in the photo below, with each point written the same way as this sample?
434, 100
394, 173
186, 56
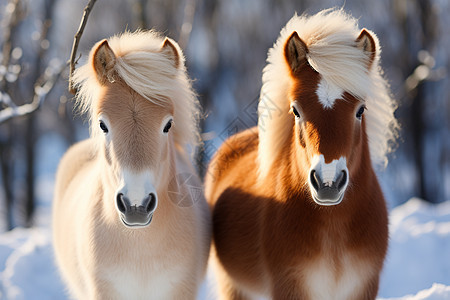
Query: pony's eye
295, 112
103, 127
167, 127
360, 112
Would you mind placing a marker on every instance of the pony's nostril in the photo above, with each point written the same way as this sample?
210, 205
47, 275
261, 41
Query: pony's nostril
315, 181
341, 180
121, 205
151, 205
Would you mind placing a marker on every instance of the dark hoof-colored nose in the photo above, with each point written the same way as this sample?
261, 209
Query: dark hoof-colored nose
325, 191
318, 184
136, 215
150, 203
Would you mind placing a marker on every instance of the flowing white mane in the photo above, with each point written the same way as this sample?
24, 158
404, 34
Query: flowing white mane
151, 74
330, 37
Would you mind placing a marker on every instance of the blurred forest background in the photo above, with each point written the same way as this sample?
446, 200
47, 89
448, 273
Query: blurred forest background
225, 43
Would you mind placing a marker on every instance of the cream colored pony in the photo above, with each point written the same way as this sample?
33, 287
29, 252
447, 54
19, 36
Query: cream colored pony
124, 226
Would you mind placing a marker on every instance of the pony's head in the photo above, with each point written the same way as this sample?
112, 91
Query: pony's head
329, 122
141, 106
332, 101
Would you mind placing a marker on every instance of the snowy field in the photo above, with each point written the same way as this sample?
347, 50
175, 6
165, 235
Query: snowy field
417, 266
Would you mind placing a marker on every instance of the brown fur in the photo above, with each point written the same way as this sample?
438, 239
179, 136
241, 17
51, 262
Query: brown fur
295, 52
270, 237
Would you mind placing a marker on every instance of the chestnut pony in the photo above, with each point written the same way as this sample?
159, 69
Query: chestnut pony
124, 226
297, 209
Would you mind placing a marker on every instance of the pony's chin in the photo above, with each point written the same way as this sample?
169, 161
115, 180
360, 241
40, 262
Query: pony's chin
328, 202
136, 225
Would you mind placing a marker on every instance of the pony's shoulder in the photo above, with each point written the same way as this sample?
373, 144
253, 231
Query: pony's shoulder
81, 152
238, 145
74, 160
232, 150
231, 157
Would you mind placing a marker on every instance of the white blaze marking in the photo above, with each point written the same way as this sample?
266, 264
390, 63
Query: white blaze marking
137, 186
328, 93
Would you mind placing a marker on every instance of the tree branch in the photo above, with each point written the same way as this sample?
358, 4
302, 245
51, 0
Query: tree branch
40, 95
76, 41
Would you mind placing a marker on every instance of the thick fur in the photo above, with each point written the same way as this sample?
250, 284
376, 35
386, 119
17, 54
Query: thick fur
150, 70
330, 37
270, 237
98, 256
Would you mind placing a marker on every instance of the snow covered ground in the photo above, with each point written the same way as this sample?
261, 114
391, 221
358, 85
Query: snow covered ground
417, 266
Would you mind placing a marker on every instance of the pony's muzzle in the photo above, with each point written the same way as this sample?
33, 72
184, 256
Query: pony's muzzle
133, 215
328, 182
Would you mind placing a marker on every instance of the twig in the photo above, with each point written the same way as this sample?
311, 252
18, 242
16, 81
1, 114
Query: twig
76, 41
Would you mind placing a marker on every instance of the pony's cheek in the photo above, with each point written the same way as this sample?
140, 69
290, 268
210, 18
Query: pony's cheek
164, 152
107, 151
357, 135
301, 136
355, 150
112, 160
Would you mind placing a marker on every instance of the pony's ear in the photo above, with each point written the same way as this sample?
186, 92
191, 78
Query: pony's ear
103, 60
295, 52
367, 44
170, 50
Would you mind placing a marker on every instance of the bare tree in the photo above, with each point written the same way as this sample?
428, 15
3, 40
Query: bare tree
421, 36
12, 17
44, 79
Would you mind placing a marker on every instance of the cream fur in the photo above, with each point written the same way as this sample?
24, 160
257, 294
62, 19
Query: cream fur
98, 256
151, 73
